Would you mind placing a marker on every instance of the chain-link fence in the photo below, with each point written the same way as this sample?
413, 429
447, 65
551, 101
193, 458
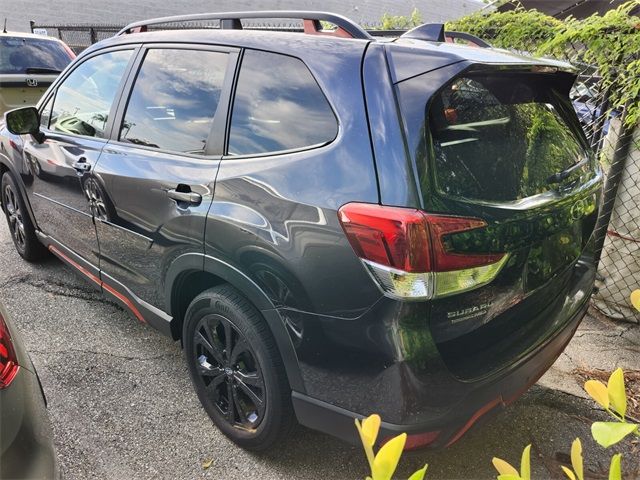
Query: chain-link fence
616, 145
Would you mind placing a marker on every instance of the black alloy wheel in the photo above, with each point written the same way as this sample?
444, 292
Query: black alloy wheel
236, 368
22, 231
228, 368
14, 217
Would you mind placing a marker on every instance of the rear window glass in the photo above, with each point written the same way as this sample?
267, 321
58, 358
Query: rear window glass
28, 55
278, 106
500, 137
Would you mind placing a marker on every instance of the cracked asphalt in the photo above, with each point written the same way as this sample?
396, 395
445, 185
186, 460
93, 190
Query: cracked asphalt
122, 406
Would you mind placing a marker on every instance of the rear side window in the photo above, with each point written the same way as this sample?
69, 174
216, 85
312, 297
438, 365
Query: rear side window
499, 137
174, 100
32, 56
278, 106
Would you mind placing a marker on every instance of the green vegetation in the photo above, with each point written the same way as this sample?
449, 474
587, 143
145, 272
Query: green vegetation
610, 42
400, 22
612, 397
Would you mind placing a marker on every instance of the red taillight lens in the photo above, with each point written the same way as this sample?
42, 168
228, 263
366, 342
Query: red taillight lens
395, 237
8, 361
408, 239
407, 253
440, 226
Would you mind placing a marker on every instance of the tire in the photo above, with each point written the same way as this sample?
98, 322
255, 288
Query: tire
252, 374
21, 228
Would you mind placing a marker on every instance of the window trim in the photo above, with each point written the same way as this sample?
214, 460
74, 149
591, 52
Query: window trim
52, 92
227, 156
217, 127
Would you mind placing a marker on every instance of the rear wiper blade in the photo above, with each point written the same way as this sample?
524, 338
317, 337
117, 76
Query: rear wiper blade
34, 70
567, 172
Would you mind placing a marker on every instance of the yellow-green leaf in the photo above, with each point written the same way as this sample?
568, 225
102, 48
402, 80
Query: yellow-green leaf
615, 470
207, 464
525, 463
387, 459
610, 433
598, 391
576, 458
635, 299
419, 475
508, 477
617, 395
368, 431
568, 473
504, 468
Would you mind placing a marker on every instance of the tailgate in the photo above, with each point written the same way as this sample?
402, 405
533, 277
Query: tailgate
504, 147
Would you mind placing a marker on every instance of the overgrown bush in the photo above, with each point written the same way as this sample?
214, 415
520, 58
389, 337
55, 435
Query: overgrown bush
609, 42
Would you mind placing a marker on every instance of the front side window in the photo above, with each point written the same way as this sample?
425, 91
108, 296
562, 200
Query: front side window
278, 106
174, 100
83, 100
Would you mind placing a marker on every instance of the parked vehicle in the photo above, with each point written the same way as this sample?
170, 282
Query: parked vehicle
28, 65
332, 225
26, 441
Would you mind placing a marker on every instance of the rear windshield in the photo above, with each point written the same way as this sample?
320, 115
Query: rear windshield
18, 55
500, 137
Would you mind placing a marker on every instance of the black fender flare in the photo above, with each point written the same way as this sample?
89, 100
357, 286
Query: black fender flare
6, 162
195, 262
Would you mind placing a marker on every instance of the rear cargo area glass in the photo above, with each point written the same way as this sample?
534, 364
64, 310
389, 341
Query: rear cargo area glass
500, 137
19, 54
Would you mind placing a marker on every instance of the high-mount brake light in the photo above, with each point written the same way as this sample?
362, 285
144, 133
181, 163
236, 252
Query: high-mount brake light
8, 360
407, 254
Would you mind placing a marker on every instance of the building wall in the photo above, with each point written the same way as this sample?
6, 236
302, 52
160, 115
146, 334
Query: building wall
19, 12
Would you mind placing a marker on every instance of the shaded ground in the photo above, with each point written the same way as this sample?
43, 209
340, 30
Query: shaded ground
122, 405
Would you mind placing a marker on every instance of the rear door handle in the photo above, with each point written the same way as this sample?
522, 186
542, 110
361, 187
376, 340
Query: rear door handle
185, 197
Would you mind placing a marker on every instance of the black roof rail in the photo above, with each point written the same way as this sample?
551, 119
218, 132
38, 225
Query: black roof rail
231, 20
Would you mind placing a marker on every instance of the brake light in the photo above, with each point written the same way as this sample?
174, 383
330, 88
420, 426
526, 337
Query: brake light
8, 360
406, 251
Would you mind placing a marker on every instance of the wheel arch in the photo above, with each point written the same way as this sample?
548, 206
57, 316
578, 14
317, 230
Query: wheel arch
7, 166
192, 273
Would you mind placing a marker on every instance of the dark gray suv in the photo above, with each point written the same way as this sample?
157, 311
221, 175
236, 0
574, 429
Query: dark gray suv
332, 224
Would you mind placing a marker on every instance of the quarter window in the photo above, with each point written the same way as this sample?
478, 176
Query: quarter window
174, 100
278, 106
83, 100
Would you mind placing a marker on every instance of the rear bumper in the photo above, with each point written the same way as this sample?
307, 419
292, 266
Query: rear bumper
454, 406
26, 442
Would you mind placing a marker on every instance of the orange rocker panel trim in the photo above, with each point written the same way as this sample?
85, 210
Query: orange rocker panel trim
99, 282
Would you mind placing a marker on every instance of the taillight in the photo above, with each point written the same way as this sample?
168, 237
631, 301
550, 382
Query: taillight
8, 360
406, 251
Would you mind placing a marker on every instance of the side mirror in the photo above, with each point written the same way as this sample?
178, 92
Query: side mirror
22, 121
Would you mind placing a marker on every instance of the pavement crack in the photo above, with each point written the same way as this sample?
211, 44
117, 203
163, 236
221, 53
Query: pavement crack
96, 352
57, 288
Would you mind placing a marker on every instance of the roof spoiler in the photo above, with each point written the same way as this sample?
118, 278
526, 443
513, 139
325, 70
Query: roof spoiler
431, 32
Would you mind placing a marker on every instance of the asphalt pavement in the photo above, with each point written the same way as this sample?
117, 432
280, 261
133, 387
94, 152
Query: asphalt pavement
122, 405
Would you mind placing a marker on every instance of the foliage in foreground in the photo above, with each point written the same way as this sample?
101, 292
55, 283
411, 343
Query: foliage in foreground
612, 397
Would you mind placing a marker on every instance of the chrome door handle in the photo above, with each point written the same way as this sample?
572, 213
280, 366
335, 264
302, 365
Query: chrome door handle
81, 165
185, 197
